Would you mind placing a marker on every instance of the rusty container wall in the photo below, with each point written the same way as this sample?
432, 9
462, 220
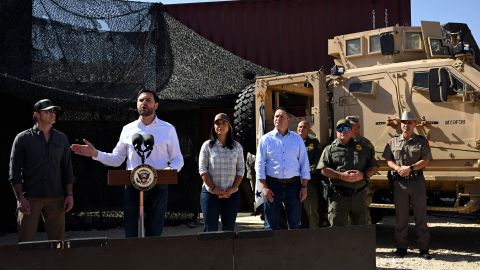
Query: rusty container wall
287, 35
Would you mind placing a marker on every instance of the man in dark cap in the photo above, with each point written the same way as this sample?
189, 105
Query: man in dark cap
407, 155
348, 164
41, 175
355, 122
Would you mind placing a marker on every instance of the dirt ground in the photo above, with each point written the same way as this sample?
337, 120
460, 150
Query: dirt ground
455, 242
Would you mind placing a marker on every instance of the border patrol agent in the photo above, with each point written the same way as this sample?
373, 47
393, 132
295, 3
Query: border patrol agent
348, 164
315, 204
355, 122
407, 155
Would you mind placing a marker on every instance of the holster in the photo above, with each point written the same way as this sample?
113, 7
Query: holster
346, 191
390, 179
327, 188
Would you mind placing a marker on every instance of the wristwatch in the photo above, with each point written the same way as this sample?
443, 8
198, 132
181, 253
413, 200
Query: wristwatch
411, 167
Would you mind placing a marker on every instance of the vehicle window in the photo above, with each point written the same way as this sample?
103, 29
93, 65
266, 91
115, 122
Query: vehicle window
374, 44
354, 47
420, 79
413, 41
456, 86
437, 48
361, 87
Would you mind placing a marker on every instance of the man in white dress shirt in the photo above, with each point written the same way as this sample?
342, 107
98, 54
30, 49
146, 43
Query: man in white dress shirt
165, 154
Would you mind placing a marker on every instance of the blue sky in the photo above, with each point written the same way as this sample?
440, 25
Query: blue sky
443, 11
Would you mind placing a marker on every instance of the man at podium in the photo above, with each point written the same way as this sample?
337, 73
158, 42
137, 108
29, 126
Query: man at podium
164, 154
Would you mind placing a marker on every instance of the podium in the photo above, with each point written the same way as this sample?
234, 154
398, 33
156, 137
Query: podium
122, 177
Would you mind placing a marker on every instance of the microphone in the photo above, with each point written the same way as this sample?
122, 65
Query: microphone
149, 141
137, 141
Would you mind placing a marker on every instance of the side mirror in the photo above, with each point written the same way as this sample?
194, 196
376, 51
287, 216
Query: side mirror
387, 44
438, 85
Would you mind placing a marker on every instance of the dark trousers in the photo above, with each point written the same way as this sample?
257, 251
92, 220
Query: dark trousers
213, 207
412, 192
288, 194
155, 206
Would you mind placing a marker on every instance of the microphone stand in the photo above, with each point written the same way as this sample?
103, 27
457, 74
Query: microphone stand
148, 149
141, 227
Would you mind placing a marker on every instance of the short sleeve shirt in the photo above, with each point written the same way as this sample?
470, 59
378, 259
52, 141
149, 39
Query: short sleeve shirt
314, 152
407, 152
355, 155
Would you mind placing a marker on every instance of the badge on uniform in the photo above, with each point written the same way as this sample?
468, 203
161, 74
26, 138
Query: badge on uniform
310, 146
358, 147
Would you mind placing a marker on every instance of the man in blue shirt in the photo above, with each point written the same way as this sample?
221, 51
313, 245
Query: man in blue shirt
283, 169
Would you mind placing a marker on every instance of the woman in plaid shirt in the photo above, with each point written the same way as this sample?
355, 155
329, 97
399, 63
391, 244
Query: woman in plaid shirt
221, 166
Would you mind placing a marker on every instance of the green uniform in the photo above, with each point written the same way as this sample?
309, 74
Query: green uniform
348, 199
362, 139
409, 191
315, 204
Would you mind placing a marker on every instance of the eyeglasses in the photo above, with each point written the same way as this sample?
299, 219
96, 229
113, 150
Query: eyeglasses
343, 129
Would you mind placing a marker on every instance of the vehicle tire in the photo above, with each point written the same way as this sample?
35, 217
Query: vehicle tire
244, 119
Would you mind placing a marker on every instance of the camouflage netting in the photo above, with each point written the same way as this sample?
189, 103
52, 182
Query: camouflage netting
90, 57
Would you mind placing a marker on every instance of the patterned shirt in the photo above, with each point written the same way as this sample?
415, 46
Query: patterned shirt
282, 156
221, 163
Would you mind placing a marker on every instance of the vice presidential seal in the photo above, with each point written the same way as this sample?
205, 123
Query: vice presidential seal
143, 177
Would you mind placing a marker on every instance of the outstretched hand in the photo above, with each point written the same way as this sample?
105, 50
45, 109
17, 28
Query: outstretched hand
87, 149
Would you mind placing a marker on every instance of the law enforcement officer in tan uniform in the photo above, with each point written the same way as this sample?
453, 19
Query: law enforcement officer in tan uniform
348, 164
315, 204
407, 154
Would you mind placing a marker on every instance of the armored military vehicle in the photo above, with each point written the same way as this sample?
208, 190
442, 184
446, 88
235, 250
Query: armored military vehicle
431, 70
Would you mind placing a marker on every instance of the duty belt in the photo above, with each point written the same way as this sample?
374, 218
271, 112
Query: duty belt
414, 175
346, 191
292, 180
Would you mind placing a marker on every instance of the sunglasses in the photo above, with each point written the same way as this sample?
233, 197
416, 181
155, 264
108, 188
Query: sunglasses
343, 129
